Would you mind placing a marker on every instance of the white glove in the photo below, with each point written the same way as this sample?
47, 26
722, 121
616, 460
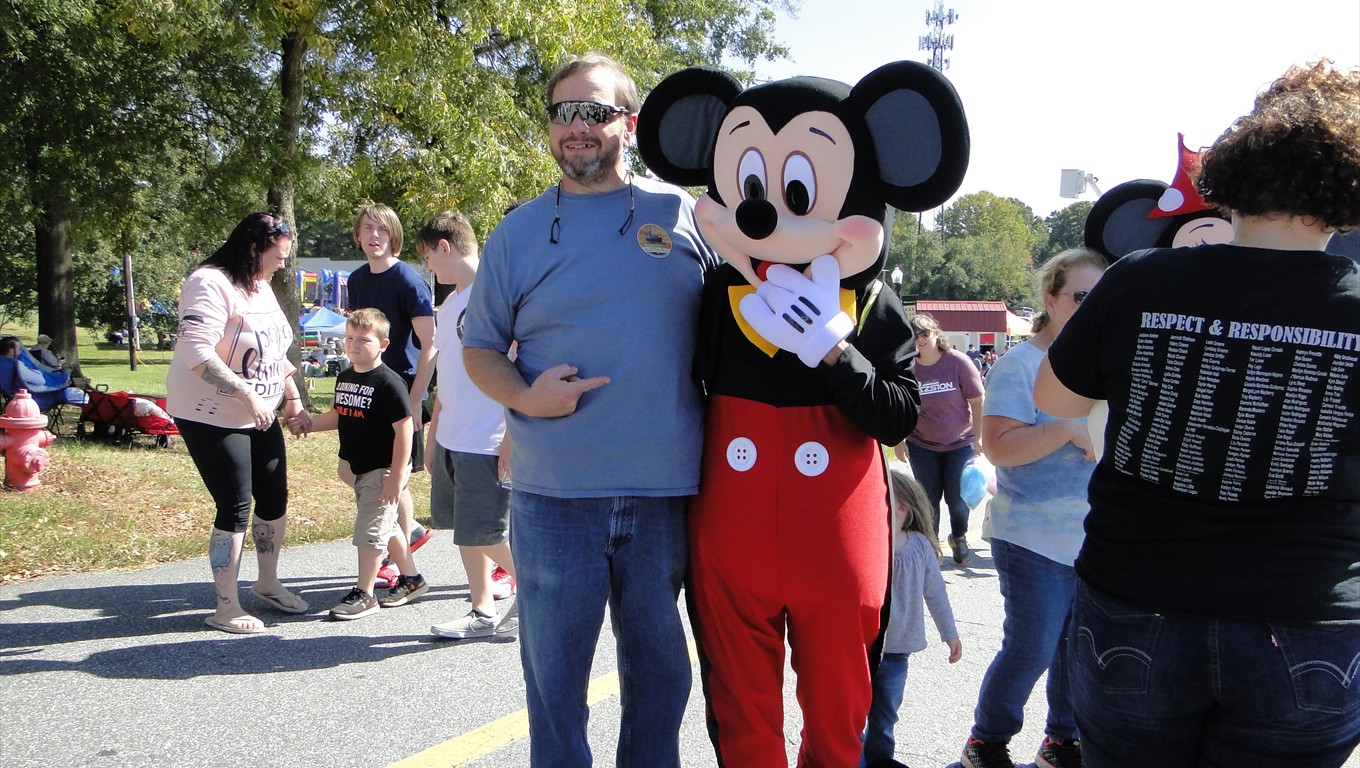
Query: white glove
799, 315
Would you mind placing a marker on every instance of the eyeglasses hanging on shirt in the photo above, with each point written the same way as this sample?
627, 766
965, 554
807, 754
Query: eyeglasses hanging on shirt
556, 229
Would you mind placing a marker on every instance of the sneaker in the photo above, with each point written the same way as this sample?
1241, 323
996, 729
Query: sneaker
1058, 754
419, 535
959, 546
985, 754
472, 625
387, 576
502, 586
508, 624
356, 605
408, 588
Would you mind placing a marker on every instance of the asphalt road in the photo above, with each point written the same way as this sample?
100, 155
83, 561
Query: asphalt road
117, 669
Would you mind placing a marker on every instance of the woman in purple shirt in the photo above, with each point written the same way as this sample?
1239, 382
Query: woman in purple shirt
945, 438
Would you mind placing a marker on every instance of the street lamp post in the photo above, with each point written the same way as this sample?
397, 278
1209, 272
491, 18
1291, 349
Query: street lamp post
131, 308
133, 341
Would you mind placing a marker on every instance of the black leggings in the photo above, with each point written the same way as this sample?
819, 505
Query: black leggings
237, 464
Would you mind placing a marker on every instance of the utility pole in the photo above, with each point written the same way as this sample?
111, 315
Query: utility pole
938, 43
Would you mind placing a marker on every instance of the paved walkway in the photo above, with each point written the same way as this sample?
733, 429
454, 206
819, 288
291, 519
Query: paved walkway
117, 669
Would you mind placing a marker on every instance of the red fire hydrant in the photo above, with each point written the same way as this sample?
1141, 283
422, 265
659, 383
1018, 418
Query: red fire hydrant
23, 442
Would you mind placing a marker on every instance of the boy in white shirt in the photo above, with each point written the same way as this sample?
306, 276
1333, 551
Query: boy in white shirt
467, 434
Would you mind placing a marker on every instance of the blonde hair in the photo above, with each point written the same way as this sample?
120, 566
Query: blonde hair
1052, 276
920, 513
384, 217
370, 319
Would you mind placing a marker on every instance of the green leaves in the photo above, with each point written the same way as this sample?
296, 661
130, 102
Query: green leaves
423, 105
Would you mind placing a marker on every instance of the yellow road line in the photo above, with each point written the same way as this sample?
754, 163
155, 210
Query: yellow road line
480, 742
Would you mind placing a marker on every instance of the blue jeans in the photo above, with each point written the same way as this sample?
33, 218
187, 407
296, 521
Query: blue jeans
1037, 595
889, 681
1176, 690
572, 556
941, 474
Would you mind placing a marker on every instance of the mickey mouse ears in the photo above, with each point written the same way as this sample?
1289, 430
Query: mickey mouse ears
1181, 197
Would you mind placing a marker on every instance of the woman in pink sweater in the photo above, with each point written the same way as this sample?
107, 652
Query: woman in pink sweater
229, 375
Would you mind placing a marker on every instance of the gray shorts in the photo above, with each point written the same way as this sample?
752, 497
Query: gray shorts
466, 495
375, 523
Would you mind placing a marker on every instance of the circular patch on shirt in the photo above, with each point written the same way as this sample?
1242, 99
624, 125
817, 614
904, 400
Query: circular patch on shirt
654, 240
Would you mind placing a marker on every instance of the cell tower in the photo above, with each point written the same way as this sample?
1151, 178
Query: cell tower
937, 42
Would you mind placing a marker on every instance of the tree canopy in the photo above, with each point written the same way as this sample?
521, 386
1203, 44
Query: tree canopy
987, 250
151, 127
1066, 229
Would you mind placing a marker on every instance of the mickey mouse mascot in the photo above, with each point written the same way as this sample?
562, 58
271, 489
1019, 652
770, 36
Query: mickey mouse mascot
806, 359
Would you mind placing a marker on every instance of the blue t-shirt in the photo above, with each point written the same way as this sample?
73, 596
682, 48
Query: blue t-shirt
1041, 505
618, 305
401, 294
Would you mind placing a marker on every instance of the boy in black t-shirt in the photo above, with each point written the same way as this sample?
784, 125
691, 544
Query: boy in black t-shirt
374, 418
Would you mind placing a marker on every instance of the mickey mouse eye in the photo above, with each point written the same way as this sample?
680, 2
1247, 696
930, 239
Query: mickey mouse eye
800, 184
751, 172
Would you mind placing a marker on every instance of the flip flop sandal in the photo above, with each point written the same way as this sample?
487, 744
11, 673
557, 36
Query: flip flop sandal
300, 607
227, 626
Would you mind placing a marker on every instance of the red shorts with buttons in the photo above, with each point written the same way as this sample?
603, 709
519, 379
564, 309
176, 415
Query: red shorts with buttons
790, 534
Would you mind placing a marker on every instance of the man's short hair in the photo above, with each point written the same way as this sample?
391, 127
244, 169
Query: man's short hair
452, 226
1297, 152
625, 90
386, 218
370, 319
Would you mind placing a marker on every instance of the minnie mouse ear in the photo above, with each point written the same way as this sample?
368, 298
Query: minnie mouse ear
1181, 197
1118, 223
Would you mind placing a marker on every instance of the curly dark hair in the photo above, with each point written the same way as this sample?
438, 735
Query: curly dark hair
239, 257
1297, 152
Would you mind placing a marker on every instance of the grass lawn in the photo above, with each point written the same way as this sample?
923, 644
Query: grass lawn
103, 506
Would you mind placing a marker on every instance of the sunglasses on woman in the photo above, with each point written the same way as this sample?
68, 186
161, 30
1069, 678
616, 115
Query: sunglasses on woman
1077, 296
591, 112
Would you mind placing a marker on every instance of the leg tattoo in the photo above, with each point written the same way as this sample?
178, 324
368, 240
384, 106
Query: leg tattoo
264, 538
219, 551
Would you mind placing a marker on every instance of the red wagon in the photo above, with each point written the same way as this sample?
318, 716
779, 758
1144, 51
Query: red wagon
120, 416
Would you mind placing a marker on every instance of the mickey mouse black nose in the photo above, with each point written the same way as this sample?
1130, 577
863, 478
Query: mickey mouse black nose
757, 219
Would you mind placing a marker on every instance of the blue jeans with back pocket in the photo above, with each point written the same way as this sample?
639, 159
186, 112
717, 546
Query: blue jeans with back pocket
1187, 690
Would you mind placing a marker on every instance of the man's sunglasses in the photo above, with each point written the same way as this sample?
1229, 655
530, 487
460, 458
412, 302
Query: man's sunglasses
591, 112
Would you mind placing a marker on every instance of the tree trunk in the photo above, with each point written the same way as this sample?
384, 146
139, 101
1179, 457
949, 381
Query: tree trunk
282, 184
56, 291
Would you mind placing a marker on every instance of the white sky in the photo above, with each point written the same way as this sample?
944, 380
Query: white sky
1098, 85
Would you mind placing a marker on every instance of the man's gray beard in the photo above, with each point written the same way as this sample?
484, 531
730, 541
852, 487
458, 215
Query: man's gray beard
591, 172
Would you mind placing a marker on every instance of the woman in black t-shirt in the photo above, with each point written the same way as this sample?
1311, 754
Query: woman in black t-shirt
1217, 619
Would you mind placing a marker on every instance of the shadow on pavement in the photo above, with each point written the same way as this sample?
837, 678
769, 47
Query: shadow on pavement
150, 610
219, 654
